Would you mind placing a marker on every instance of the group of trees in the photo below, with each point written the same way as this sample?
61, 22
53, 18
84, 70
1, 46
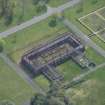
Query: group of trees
7, 8
6, 11
55, 96
53, 21
41, 5
1, 44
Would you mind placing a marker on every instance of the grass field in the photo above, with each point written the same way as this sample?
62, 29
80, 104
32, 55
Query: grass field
90, 92
12, 87
28, 38
69, 69
42, 82
94, 57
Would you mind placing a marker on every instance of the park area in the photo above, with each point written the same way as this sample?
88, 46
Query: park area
18, 43
91, 91
41, 33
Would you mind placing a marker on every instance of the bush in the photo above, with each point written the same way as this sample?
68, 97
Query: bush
41, 9
53, 22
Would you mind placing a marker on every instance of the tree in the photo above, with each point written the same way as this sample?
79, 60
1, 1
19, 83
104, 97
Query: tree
35, 2
38, 99
94, 2
53, 22
1, 47
1, 44
55, 96
40, 5
41, 8
8, 15
6, 11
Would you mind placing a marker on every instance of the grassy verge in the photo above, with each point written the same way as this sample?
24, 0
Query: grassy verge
69, 70
94, 57
12, 87
28, 38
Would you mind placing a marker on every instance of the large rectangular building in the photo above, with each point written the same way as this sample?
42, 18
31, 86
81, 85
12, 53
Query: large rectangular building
43, 60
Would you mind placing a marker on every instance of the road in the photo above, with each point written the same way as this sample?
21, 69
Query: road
37, 19
86, 40
21, 73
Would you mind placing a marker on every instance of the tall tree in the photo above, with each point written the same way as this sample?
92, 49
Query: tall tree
8, 15
55, 96
3, 6
38, 99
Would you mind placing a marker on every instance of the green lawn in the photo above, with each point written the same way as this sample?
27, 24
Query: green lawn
69, 69
90, 92
12, 87
43, 82
24, 40
94, 57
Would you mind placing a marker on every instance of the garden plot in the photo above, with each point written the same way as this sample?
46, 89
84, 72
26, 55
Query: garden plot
101, 35
94, 21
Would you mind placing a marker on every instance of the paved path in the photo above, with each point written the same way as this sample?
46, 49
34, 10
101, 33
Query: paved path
21, 73
86, 40
37, 19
